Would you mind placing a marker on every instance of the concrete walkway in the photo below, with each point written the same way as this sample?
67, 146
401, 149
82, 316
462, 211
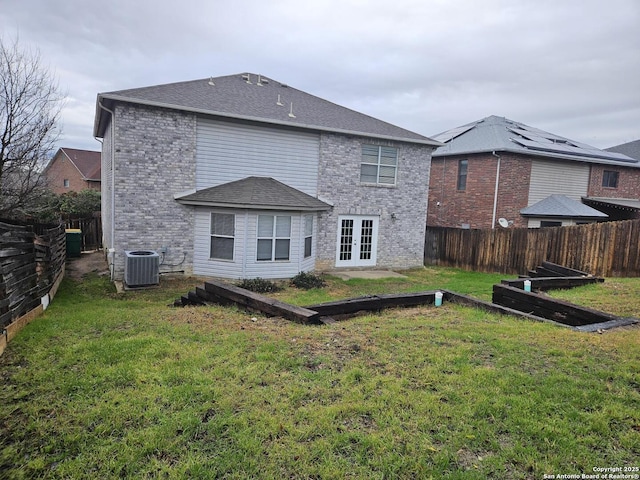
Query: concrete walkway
368, 274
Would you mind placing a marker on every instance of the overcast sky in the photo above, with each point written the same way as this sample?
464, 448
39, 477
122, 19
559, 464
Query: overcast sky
570, 67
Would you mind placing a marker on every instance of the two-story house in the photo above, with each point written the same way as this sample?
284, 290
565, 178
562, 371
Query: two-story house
497, 172
73, 170
243, 176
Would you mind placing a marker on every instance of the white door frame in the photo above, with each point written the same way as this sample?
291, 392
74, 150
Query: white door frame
357, 240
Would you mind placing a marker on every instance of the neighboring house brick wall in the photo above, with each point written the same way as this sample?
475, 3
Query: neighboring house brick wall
474, 205
59, 170
156, 160
628, 182
339, 184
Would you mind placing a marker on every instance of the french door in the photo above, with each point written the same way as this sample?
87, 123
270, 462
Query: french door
357, 241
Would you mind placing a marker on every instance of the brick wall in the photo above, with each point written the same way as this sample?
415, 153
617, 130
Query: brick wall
401, 208
59, 170
628, 182
450, 207
154, 160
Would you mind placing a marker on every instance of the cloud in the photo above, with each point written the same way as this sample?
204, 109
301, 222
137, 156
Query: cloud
568, 67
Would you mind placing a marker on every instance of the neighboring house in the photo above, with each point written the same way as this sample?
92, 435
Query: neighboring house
496, 171
630, 149
73, 170
242, 176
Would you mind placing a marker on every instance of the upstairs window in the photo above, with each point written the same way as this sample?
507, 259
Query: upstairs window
463, 165
65, 182
379, 165
610, 179
274, 237
223, 227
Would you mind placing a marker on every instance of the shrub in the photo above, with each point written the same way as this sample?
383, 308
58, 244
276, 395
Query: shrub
259, 285
308, 281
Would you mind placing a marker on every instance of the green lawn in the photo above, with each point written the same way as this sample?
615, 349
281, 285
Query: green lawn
108, 385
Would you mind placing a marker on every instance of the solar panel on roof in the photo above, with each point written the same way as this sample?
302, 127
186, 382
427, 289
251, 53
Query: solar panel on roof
444, 137
569, 149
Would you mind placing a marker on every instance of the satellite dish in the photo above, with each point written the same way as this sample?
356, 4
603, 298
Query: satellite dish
504, 223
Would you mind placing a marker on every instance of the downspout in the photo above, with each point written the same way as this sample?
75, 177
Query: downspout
113, 188
495, 192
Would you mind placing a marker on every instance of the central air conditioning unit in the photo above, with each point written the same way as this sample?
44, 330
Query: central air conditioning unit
141, 268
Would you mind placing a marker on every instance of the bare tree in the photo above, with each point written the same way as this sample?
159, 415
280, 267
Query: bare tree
30, 104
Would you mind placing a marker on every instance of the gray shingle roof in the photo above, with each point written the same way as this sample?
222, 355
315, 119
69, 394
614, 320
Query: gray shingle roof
630, 149
263, 193
561, 206
265, 101
499, 134
87, 161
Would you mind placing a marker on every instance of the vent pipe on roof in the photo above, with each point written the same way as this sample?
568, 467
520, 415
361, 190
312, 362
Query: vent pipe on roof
279, 102
291, 111
247, 78
262, 81
211, 82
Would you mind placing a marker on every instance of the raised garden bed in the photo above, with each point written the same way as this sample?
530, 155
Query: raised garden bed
509, 298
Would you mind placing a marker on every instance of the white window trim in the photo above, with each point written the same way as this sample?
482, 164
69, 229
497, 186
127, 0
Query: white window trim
274, 238
305, 236
211, 235
378, 165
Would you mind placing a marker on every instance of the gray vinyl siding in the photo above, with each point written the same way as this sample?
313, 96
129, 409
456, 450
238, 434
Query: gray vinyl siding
226, 152
244, 264
554, 177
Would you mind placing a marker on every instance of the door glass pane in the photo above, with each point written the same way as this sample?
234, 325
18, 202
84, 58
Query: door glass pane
366, 239
346, 239
264, 250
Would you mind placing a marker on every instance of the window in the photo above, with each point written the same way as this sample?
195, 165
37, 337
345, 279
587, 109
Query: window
222, 236
379, 165
610, 179
463, 165
66, 183
308, 235
550, 223
274, 237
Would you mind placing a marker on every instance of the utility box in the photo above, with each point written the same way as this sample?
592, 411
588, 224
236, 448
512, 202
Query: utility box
74, 242
141, 268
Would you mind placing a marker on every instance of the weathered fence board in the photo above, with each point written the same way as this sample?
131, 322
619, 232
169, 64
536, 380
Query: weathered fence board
91, 229
607, 249
30, 264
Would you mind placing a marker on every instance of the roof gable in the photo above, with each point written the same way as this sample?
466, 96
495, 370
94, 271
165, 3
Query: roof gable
256, 98
499, 134
86, 161
263, 193
630, 149
561, 206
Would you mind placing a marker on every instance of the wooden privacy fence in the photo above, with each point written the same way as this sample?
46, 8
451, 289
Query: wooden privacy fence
31, 267
91, 231
608, 249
